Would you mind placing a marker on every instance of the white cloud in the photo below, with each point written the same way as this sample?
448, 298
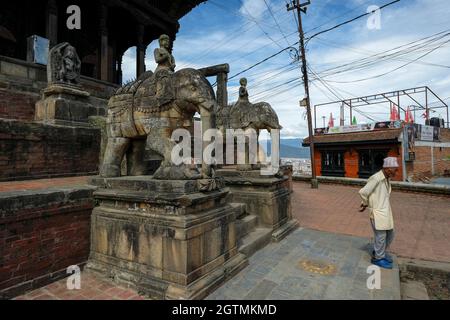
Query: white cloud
253, 8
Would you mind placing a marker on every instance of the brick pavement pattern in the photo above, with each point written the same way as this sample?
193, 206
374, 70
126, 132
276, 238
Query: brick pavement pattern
42, 184
421, 221
92, 288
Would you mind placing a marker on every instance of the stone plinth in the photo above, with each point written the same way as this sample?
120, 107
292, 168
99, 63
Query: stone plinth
267, 197
64, 104
163, 238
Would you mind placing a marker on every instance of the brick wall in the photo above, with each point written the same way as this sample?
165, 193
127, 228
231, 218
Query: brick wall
422, 166
17, 105
34, 150
421, 169
21, 84
41, 234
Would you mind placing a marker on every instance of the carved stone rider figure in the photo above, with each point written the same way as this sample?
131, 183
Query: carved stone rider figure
243, 93
241, 111
165, 68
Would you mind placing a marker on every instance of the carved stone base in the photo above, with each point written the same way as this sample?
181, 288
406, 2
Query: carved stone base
65, 104
267, 197
164, 238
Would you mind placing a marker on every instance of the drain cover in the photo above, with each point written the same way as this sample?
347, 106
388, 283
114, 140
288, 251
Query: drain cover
318, 267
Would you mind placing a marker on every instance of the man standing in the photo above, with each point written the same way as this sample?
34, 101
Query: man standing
375, 196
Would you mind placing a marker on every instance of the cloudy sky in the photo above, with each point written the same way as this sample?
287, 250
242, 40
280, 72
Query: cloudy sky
411, 48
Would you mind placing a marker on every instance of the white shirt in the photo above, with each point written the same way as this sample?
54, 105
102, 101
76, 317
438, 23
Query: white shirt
375, 195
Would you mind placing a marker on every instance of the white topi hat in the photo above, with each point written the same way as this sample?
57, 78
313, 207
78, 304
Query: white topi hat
390, 162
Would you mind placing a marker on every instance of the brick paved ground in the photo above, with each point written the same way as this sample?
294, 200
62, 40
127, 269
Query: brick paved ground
42, 184
422, 221
92, 288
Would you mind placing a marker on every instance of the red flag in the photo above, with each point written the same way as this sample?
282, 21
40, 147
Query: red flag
331, 121
409, 117
396, 113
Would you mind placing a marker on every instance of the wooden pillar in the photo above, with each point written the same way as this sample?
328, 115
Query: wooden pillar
140, 52
103, 52
51, 22
119, 69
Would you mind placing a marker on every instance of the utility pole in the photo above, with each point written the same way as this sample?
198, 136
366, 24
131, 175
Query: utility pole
301, 7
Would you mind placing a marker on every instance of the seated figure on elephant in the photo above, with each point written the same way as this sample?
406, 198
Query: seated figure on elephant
246, 115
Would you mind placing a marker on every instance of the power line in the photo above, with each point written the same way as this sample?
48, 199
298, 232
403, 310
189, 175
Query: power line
336, 17
257, 23
351, 20
260, 62
393, 70
296, 43
276, 22
348, 48
249, 24
406, 48
334, 92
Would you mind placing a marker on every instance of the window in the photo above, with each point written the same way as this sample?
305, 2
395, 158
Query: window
333, 163
371, 161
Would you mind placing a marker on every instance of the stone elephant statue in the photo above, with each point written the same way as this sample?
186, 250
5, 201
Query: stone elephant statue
143, 114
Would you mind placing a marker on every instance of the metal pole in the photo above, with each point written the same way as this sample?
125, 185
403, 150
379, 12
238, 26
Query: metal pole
297, 5
427, 115
315, 117
351, 113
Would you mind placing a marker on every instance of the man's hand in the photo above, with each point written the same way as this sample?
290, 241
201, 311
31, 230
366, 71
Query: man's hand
362, 208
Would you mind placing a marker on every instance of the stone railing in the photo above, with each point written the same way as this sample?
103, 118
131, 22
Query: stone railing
401, 186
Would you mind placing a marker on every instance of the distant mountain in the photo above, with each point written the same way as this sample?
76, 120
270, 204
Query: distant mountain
290, 148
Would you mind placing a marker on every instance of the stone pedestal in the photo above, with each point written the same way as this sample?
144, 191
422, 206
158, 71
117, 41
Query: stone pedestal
267, 197
65, 104
163, 238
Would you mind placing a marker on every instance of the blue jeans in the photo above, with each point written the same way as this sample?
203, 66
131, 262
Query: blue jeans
382, 241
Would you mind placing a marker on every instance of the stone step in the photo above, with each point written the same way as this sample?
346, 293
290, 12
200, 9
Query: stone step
255, 241
245, 225
414, 290
239, 209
